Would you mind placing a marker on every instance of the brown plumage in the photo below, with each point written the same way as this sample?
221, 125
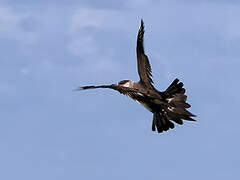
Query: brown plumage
167, 107
144, 68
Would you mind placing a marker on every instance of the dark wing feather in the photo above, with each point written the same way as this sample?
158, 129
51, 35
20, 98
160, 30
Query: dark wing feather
144, 68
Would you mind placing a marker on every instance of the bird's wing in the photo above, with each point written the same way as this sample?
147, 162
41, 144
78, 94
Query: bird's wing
144, 68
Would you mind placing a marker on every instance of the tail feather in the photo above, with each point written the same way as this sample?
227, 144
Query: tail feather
185, 117
175, 87
176, 100
158, 123
174, 109
182, 111
174, 117
172, 85
154, 123
161, 122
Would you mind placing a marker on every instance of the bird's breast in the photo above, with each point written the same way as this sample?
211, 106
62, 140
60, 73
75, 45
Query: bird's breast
145, 105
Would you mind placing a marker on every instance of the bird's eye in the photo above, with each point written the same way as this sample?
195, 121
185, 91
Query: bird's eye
122, 82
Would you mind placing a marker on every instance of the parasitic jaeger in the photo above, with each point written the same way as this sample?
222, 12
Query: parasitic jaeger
167, 107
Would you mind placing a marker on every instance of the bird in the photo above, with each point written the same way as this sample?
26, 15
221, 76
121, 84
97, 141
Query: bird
168, 107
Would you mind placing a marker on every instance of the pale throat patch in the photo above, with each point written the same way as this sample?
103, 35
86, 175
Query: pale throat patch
127, 84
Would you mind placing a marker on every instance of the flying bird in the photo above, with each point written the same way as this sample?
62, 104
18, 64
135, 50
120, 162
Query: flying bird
167, 107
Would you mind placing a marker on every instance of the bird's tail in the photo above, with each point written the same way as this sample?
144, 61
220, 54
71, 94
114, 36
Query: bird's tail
161, 122
174, 108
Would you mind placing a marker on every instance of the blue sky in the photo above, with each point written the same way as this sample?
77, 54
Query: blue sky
47, 131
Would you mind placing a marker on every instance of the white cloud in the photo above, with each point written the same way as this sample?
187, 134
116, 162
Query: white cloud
102, 18
86, 17
138, 4
83, 39
11, 25
8, 19
84, 46
83, 42
90, 52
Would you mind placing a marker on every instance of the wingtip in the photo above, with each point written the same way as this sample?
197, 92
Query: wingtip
141, 31
141, 24
193, 115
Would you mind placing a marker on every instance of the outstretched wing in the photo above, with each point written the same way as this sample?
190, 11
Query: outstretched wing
144, 68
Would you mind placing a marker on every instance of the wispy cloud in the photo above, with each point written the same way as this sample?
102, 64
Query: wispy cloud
16, 25
178, 23
8, 19
86, 26
83, 46
102, 18
87, 17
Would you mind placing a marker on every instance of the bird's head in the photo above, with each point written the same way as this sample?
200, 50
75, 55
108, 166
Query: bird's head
125, 83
